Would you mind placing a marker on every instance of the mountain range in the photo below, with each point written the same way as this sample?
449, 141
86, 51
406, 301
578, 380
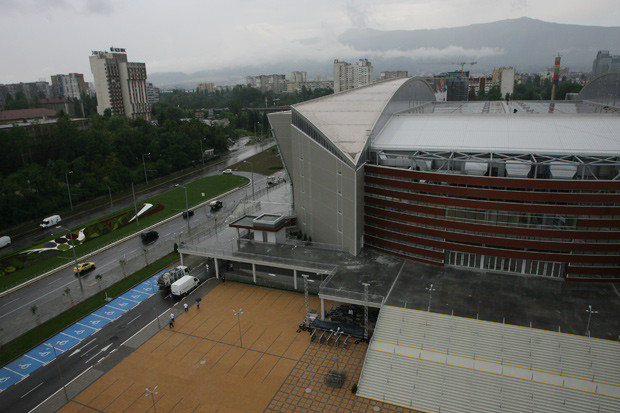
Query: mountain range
529, 45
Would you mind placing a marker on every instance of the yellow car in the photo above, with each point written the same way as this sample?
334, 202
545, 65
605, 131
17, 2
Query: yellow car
83, 267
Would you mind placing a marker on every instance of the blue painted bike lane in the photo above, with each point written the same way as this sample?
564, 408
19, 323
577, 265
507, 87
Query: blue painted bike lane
45, 353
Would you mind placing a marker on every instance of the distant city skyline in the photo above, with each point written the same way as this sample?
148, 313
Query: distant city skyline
47, 38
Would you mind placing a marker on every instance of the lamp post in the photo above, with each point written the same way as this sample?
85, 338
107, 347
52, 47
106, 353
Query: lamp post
252, 170
186, 205
135, 207
590, 311
238, 314
70, 236
202, 153
430, 295
68, 188
151, 393
62, 382
146, 179
110, 192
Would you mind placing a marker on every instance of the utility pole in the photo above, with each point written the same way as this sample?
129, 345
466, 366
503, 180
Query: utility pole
69, 188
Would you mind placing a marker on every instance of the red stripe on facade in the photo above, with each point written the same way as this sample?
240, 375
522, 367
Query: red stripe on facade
490, 229
524, 183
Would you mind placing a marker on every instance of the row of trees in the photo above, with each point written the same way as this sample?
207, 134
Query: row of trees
534, 88
36, 163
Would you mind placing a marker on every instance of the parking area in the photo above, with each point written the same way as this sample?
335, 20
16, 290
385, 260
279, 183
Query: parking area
213, 360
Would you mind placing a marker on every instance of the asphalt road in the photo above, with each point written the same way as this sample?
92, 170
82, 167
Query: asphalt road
16, 315
45, 381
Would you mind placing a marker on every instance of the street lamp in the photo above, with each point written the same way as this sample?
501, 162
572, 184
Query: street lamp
238, 314
186, 205
202, 153
252, 166
430, 295
110, 192
62, 382
151, 393
590, 311
70, 236
69, 189
146, 179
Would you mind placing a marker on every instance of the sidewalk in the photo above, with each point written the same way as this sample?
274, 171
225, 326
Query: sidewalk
213, 361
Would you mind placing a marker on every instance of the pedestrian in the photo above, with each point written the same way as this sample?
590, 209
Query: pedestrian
172, 319
185, 307
171, 323
222, 278
197, 305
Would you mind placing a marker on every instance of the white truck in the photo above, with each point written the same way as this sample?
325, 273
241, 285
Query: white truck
50, 221
184, 285
166, 279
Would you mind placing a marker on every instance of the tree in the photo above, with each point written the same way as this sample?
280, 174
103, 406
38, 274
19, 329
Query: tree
472, 94
495, 93
67, 292
34, 310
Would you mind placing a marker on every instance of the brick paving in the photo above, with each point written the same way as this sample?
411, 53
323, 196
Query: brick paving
202, 365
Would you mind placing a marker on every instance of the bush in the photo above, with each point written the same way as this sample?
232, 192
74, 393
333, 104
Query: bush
175, 248
354, 388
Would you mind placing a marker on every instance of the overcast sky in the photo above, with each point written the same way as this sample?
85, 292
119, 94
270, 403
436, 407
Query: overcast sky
45, 37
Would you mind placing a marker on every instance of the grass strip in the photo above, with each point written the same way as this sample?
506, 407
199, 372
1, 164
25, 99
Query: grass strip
51, 327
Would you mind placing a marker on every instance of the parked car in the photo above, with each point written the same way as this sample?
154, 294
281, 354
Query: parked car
50, 221
227, 171
189, 213
83, 267
215, 205
5, 241
149, 236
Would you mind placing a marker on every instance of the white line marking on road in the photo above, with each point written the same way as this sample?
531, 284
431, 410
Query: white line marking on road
89, 350
57, 391
31, 390
134, 319
100, 351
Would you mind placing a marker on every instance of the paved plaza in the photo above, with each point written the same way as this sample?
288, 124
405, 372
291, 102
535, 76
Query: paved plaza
204, 365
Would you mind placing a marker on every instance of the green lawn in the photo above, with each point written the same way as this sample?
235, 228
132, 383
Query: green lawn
266, 163
198, 191
34, 337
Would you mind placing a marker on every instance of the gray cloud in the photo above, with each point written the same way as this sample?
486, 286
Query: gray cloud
98, 7
357, 15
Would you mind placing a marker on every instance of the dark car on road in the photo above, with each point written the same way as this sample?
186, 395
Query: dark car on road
189, 213
149, 236
215, 205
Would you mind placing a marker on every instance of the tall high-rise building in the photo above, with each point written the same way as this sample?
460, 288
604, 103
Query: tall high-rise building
152, 93
397, 74
299, 77
348, 76
604, 62
68, 86
504, 77
273, 83
120, 85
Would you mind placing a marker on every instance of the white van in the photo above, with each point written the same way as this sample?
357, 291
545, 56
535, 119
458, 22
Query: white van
50, 221
183, 285
5, 241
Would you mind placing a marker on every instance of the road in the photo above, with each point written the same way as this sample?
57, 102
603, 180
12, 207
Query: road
45, 381
49, 295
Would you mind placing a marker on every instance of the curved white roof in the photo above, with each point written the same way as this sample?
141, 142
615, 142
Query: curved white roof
347, 118
564, 132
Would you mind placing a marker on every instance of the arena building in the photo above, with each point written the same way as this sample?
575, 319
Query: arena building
527, 187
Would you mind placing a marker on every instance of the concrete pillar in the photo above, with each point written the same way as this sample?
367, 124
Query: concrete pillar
217, 268
295, 279
254, 272
322, 309
181, 255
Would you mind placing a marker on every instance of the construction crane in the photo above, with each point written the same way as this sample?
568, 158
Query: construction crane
462, 64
